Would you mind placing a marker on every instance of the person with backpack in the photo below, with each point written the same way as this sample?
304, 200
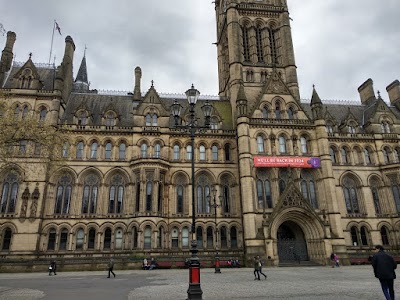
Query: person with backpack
384, 269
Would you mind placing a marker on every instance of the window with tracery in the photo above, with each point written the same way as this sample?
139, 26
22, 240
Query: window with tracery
110, 119
108, 151
395, 191
176, 152
282, 144
246, 45
63, 196
122, 151
263, 187
308, 188
260, 144
90, 194
214, 150
9, 193
259, 40
203, 195
350, 191
116, 195
385, 236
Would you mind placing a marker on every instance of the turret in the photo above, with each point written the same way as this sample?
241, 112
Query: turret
316, 105
81, 83
64, 76
138, 76
7, 56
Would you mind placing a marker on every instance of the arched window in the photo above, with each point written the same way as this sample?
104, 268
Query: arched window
160, 238
157, 150
260, 144
90, 194
22, 146
7, 235
375, 196
63, 197
304, 145
65, 150
147, 237
246, 45
149, 194
134, 238
396, 154
80, 238
79, 150
278, 111
51, 242
291, 113
367, 156
351, 129
210, 238
9, 193
108, 151
385, 236
160, 196
179, 199
203, 194
214, 150
329, 127
25, 112
17, 112
385, 127
265, 112
119, 234
63, 239
185, 237
234, 241
332, 153
122, 151
227, 152
224, 238
176, 151
199, 237
259, 39
226, 197
272, 44
264, 194
307, 186
143, 150
396, 192
92, 239
189, 152
345, 155
202, 152
93, 150
174, 238
154, 120
354, 235
42, 114
151, 120
82, 118
107, 239
116, 195
364, 236
214, 123
137, 202
282, 145
351, 195
386, 157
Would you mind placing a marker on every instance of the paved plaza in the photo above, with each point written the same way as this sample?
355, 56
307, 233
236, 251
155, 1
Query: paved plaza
303, 283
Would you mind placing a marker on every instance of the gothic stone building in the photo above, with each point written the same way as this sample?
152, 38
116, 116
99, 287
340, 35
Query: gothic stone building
295, 180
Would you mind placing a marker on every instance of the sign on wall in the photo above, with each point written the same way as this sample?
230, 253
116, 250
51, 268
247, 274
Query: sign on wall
286, 162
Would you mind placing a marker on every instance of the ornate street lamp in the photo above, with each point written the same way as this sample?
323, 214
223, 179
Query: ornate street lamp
214, 205
194, 291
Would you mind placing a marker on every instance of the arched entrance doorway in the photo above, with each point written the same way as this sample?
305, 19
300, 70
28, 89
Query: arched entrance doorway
292, 245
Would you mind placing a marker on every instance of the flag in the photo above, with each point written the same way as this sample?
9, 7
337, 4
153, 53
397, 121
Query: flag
58, 28
2, 29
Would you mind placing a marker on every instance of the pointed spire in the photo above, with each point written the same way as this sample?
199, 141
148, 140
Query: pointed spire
81, 83
315, 99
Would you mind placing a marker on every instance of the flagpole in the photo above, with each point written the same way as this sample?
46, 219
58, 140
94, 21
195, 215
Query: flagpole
52, 37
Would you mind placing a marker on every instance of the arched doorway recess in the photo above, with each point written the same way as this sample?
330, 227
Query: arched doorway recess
292, 245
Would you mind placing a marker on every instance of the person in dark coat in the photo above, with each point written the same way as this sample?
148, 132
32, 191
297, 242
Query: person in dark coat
53, 267
257, 266
384, 266
110, 267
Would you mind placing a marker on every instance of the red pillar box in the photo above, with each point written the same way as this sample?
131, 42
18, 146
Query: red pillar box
194, 275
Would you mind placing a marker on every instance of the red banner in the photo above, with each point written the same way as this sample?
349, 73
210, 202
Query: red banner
286, 161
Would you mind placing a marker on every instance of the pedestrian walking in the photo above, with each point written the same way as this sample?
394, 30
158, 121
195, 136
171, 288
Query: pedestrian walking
261, 265
110, 267
256, 269
53, 267
384, 269
333, 260
336, 259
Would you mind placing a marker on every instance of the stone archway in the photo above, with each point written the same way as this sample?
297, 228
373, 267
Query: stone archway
291, 243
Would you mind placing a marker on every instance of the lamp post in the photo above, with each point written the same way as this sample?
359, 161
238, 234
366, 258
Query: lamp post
215, 206
194, 291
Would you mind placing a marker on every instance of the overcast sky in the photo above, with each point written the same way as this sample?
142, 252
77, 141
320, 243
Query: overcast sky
338, 43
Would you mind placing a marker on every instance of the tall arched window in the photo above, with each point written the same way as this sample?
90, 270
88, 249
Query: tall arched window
122, 151
264, 194
79, 150
108, 151
147, 237
185, 237
143, 150
116, 195
367, 156
351, 195
304, 145
374, 184
354, 236
265, 112
25, 112
93, 150
80, 238
260, 144
110, 119
92, 238
203, 194
149, 195
214, 150
107, 239
17, 112
65, 150
160, 196
227, 152
42, 114
345, 155
385, 152
157, 150
82, 118
176, 151
395, 192
63, 197
364, 236
63, 239
6, 243
224, 238
282, 145
90, 194
189, 152
119, 234
272, 44
174, 238
202, 152
199, 237
9, 193
278, 111
179, 199
308, 188
210, 238
291, 113
234, 241
51, 242
134, 238
385, 236
259, 39
332, 153
226, 197
246, 45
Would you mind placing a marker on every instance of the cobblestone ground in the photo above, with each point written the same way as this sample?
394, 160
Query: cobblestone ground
306, 283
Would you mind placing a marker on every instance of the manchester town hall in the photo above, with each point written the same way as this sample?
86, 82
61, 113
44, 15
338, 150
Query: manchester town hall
289, 179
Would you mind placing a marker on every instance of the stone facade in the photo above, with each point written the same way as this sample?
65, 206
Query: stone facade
126, 185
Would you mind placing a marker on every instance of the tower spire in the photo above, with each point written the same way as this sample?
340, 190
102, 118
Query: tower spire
81, 81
